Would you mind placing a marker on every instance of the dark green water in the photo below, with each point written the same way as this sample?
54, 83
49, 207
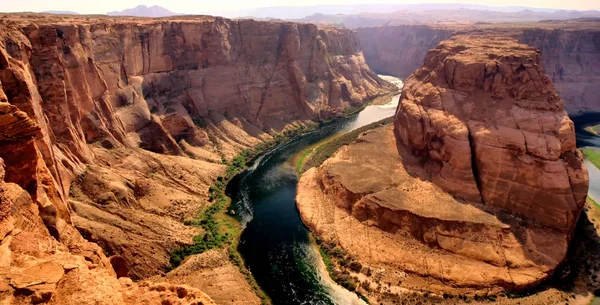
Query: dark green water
588, 139
275, 243
584, 137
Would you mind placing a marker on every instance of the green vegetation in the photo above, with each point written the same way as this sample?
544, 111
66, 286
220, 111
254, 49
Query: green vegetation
327, 261
593, 155
333, 256
593, 201
310, 273
348, 111
300, 161
219, 228
327, 149
595, 129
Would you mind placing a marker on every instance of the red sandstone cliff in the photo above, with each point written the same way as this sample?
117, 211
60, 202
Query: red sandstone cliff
44, 259
118, 126
477, 188
488, 123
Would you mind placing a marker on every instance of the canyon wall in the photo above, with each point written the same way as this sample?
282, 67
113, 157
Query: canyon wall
570, 52
44, 259
399, 50
571, 58
117, 126
487, 122
477, 187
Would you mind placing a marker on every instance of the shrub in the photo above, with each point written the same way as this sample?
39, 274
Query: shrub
355, 266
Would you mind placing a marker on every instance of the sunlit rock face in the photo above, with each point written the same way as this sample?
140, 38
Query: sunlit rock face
487, 118
477, 185
117, 126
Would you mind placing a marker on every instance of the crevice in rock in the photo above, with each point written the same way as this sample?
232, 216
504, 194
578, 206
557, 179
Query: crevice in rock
474, 168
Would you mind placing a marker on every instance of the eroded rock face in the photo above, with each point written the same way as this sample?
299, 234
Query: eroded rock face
488, 123
477, 187
399, 50
118, 126
570, 59
44, 259
570, 52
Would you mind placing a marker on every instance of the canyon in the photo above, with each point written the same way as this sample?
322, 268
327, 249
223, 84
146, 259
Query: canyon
475, 189
570, 51
113, 129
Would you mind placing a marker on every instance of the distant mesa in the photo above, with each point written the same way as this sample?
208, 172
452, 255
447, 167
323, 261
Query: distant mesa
60, 12
144, 11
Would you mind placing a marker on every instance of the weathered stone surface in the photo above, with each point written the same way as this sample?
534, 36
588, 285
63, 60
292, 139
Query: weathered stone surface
484, 116
118, 126
476, 188
43, 257
381, 208
212, 273
570, 52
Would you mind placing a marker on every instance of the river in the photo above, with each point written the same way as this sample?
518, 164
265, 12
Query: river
275, 244
588, 139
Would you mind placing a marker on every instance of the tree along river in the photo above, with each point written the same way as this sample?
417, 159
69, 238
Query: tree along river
275, 244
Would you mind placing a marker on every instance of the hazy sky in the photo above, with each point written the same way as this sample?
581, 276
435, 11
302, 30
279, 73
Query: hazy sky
204, 6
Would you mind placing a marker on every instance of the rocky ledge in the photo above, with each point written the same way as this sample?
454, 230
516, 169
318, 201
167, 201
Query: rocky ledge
478, 186
113, 129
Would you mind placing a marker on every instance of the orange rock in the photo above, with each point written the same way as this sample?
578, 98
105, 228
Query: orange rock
478, 186
486, 117
118, 126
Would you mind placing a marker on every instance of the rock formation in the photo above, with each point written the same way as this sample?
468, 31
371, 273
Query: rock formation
117, 126
478, 186
570, 58
44, 259
399, 50
570, 52
490, 127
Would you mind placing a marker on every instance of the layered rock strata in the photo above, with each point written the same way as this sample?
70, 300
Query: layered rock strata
477, 187
570, 51
44, 259
117, 126
490, 127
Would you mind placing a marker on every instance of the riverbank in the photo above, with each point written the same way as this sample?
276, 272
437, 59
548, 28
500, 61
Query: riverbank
381, 264
219, 227
594, 129
313, 157
274, 243
592, 154
325, 267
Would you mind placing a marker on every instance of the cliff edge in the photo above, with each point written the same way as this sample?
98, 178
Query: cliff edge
116, 127
477, 187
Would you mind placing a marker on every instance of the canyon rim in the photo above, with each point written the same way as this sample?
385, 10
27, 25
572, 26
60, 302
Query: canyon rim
119, 137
